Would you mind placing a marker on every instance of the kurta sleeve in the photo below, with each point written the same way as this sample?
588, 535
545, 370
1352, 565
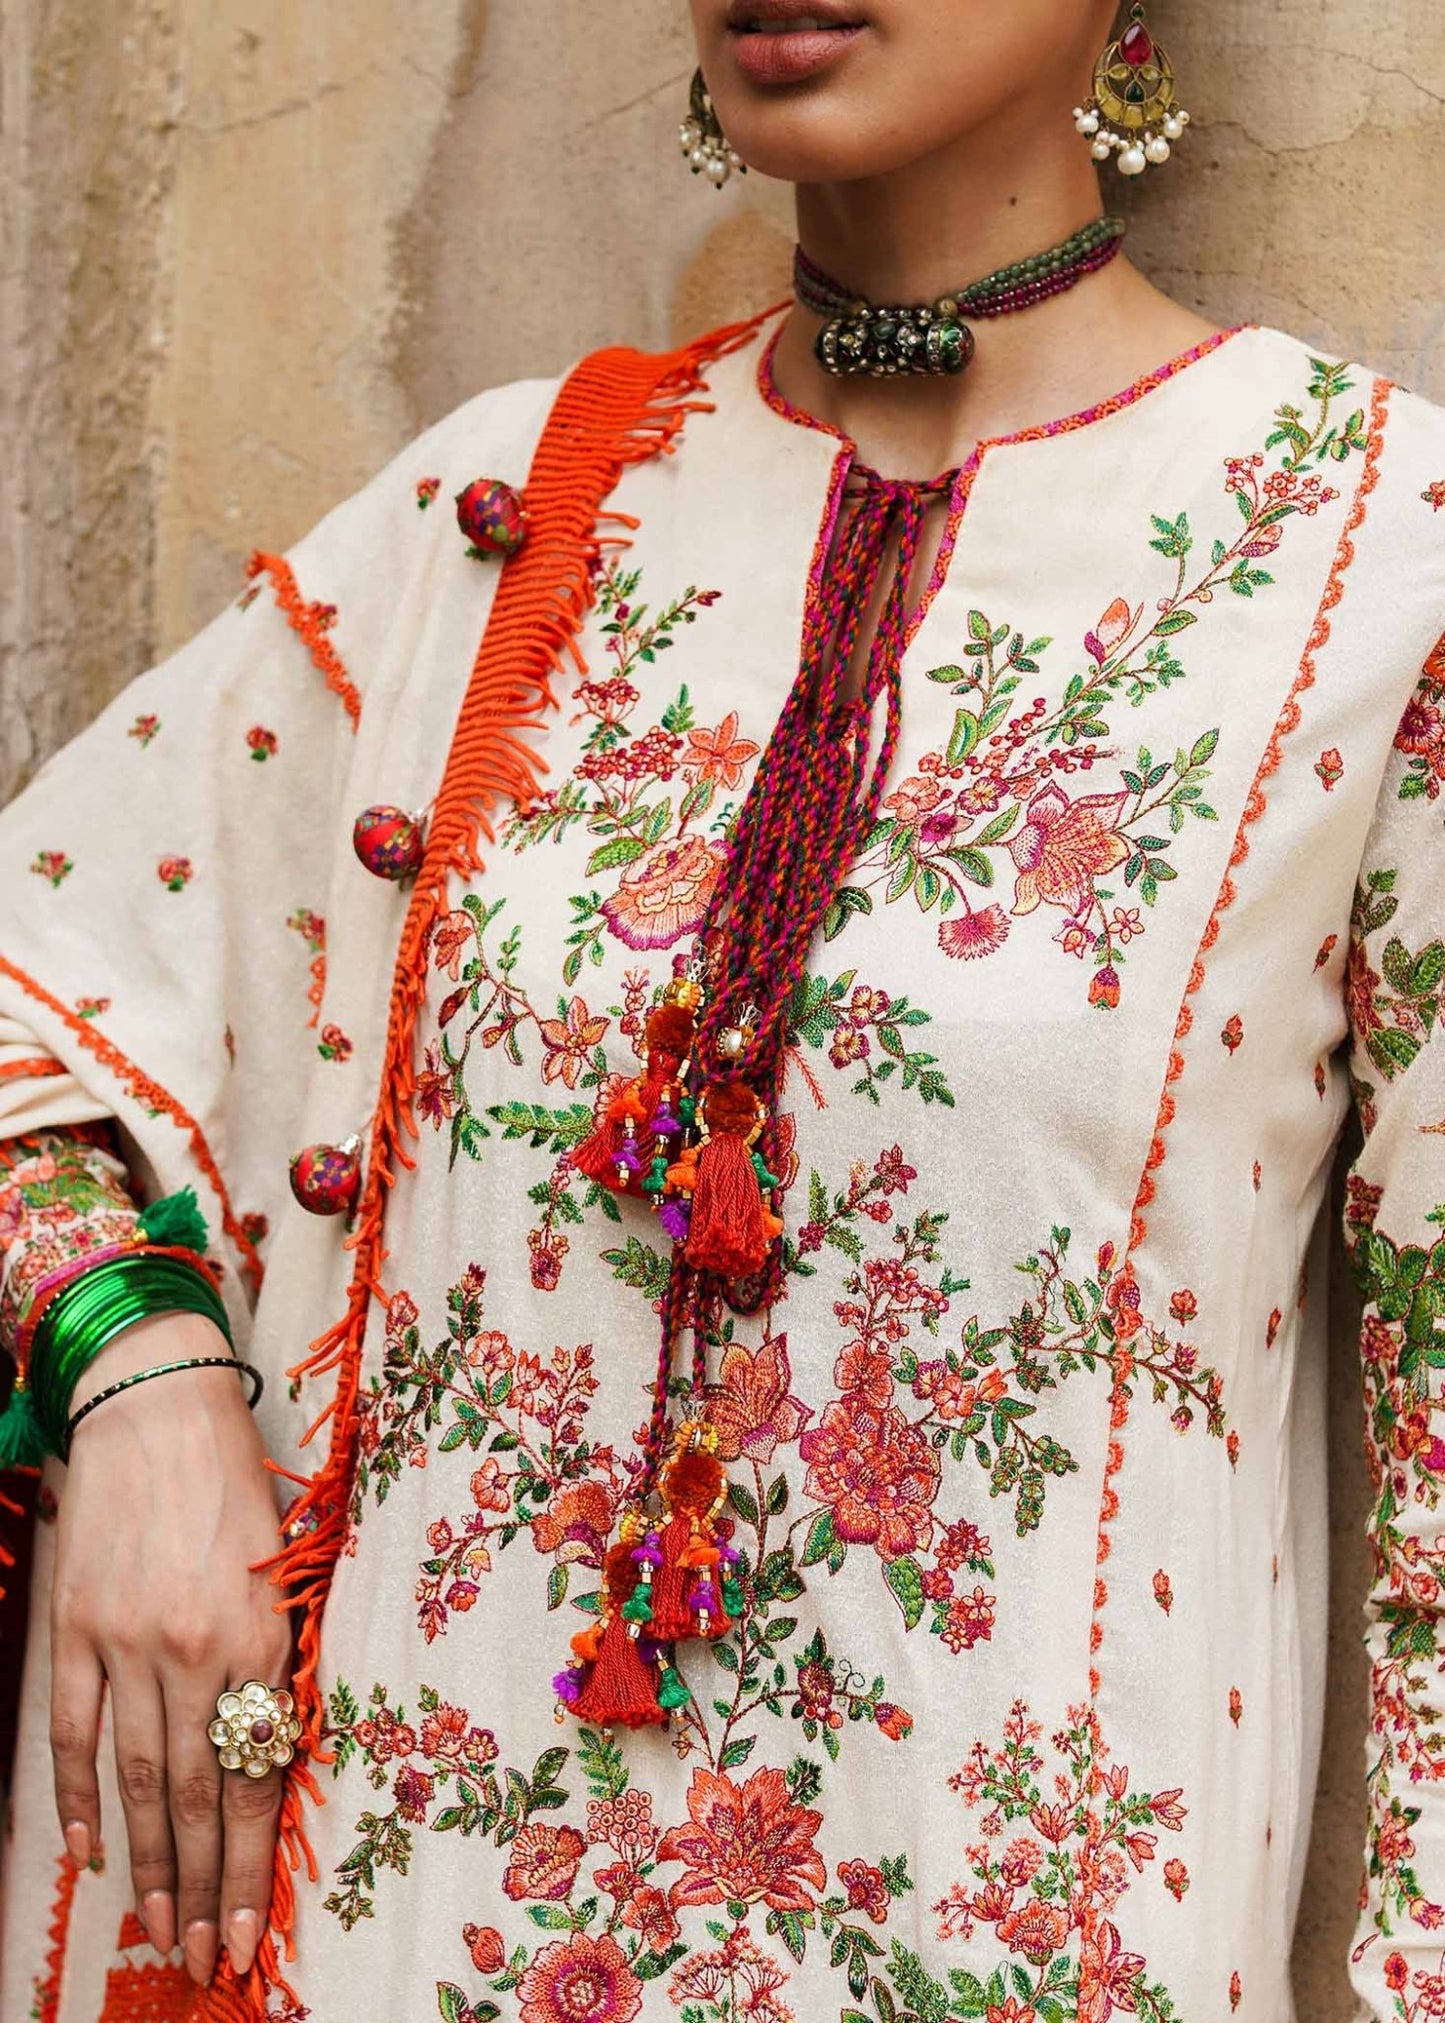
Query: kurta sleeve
37, 1091
1395, 1232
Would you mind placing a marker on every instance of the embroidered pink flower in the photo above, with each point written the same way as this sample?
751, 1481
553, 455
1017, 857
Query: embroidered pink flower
144, 729
569, 1042
876, 1471
91, 1007
575, 1524
664, 895
490, 1487
486, 1946
544, 1863
867, 1891
579, 1980
54, 865
1183, 1306
1330, 767
896, 1722
650, 1913
175, 873
1106, 1975
426, 491
1036, 1930
718, 755
333, 1044
1116, 624
754, 1410
968, 1620
1233, 1032
262, 743
413, 1791
1176, 1878
1063, 845
1163, 1591
974, 934
747, 1843
911, 801
1104, 987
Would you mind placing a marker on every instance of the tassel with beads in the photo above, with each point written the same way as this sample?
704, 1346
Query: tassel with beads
641, 1123
686, 1597
732, 1229
616, 1686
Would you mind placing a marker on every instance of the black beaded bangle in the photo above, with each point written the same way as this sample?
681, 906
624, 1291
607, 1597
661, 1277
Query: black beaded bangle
258, 1384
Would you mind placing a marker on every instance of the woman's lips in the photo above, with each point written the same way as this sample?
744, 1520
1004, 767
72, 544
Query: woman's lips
786, 55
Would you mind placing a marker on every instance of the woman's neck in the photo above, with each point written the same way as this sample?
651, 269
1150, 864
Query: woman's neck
935, 226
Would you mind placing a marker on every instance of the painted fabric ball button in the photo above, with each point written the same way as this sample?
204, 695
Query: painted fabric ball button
326, 1179
493, 518
390, 842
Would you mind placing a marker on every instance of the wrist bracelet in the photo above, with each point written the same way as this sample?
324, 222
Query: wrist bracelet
258, 1384
95, 1307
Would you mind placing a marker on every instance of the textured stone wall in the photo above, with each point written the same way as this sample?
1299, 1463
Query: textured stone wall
253, 245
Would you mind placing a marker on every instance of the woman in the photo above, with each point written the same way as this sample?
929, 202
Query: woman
928, 1049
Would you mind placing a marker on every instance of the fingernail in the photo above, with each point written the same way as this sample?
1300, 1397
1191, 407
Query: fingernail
77, 1843
202, 1938
243, 1935
158, 1915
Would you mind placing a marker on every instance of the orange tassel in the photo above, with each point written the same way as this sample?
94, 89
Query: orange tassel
620, 1691
731, 1231
694, 1488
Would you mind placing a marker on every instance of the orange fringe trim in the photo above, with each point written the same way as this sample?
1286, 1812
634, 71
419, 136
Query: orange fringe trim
140, 1086
617, 408
306, 622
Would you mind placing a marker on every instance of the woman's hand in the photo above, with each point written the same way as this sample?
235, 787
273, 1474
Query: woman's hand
166, 1507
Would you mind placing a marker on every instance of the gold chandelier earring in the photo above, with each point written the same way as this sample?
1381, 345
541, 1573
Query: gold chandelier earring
705, 147
1134, 111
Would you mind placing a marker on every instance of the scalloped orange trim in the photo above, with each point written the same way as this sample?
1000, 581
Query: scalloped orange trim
157, 1991
138, 1085
618, 407
1254, 807
47, 1986
304, 622
35, 1070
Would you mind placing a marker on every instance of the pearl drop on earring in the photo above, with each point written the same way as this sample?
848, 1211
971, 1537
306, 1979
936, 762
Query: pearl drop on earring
1133, 161
1100, 150
1157, 149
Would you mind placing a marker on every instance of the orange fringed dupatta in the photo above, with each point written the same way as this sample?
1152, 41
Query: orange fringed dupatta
618, 407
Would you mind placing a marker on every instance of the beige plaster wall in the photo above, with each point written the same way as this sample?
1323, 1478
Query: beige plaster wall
252, 245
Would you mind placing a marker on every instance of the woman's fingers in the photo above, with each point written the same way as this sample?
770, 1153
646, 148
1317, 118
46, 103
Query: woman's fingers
138, 1719
251, 1807
76, 1687
195, 1783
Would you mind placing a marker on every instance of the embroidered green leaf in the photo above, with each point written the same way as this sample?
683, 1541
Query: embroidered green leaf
820, 1540
738, 1751
848, 900
904, 1579
638, 1265
557, 1586
1175, 621
995, 830
972, 863
968, 1993
549, 1130
613, 856
964, 737
551, 1917
743, 1502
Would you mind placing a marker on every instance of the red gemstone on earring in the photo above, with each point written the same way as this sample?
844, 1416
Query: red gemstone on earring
1135, 45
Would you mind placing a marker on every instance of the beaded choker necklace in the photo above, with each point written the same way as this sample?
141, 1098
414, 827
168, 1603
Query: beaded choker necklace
933, 337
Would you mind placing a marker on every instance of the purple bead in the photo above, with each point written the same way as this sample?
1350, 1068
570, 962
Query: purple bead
649, 1553
629, 1159
704, 1597
664, 1124
261, 1731
728, 1553
568, 1687
648, 1651
675, 1215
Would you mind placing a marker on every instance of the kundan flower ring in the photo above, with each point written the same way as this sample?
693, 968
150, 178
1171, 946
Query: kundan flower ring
255, 1729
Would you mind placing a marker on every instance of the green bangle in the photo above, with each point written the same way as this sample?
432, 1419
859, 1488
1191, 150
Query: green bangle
91, 1311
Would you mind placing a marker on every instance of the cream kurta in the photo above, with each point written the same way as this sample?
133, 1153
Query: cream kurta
1023, 1719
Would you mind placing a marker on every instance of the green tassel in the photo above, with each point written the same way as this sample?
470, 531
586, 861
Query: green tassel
177, 1222
22, 1442
637, 1608
656, 1181
765, 1179
672, 1692
732, 1597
